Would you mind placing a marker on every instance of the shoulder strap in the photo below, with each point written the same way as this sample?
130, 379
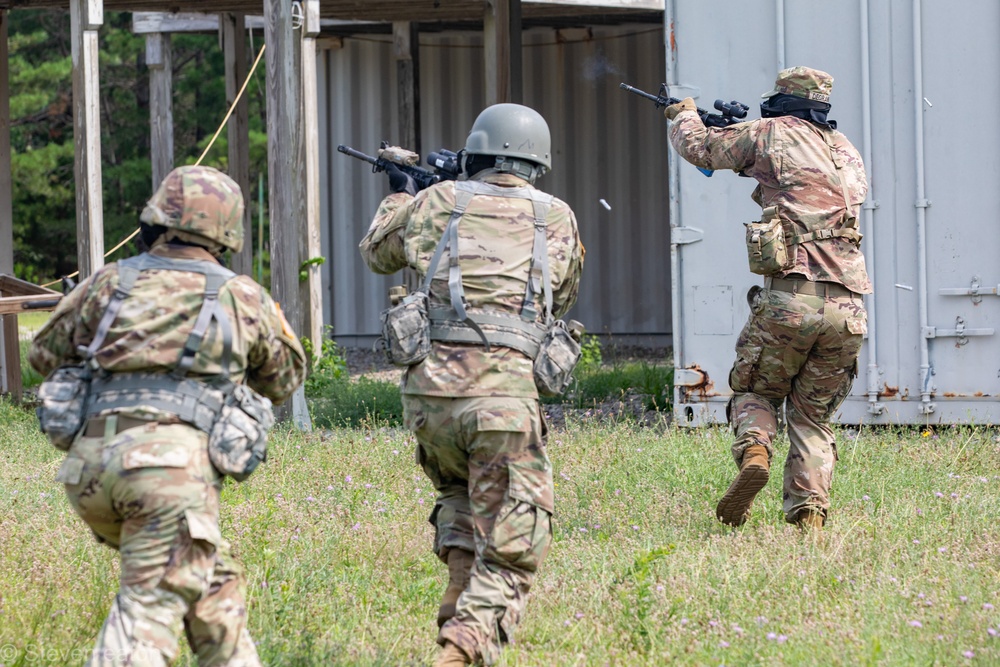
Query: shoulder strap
539, 270
849, 229
216, 276
128, 270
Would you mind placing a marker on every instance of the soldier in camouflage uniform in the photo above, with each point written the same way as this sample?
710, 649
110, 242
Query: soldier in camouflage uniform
798, 351
475, 411
139, 476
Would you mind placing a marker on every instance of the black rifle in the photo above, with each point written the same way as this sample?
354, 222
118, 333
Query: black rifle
447, 166
731, 112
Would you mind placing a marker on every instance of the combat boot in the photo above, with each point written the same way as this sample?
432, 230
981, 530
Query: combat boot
459, 569
734, 508
452, 656
809, 520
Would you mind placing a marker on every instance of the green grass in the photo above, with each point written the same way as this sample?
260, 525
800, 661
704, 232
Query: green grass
333, 534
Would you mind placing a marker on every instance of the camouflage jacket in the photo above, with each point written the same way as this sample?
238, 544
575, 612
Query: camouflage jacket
496, 236
154, 322
795, 171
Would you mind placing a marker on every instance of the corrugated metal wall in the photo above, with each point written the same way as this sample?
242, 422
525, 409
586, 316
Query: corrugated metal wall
606, 144
904, 79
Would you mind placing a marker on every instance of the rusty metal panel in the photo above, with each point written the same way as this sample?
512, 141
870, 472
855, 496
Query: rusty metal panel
606, 145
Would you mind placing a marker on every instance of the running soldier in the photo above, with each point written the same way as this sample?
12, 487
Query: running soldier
510, 253
139, 472
799, 350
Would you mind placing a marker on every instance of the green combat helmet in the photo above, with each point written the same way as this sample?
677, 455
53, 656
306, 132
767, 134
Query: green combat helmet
517, 135
199, 204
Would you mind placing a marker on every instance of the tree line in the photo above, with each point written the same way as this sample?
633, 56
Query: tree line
41, 127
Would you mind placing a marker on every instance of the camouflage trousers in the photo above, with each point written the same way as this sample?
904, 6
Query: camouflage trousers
798, 352
152, 494
486, 458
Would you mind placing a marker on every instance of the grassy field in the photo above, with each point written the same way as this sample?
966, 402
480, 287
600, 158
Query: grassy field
334, 538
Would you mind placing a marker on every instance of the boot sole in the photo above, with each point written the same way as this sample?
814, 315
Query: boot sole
734, 508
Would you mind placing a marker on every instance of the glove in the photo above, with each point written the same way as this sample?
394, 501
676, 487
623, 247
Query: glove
400, 181
687, 104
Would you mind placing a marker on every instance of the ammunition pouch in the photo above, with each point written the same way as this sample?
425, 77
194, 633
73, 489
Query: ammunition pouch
237, 443
558, 355
234, 416
63, 397
767, 250
406, 337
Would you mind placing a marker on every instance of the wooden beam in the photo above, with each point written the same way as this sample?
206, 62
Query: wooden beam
11, 286
159, 60
406, 53
285, 168
313, 287
11, 305
86, 16
10, 350
234, 44
502, 50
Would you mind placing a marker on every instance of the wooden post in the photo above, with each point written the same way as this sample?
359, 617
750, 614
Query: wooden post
406, 52
159, 60
285, 161
86, 16
10, 351
502, 49
234, 44
312, 292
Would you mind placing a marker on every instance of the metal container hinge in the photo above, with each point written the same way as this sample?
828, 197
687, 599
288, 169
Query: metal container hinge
685, 235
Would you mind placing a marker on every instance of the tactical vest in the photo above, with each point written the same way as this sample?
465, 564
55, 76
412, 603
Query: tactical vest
457, 324
195, 401
771, 249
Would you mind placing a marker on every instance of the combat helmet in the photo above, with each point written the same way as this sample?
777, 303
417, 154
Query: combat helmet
198, 204
517, 135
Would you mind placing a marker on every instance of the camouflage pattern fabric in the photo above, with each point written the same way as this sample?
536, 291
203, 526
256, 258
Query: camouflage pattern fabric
151, 493
494, 258
796, 170
799, 352
486, 457
804, 82
476, 413
150, 331
201, 202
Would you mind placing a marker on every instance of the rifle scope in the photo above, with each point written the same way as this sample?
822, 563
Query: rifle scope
734, 108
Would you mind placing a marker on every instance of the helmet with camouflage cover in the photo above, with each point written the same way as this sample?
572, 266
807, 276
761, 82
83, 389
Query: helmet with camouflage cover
201, 205
517, 135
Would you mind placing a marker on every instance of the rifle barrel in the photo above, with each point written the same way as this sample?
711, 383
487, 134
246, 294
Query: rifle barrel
347, 150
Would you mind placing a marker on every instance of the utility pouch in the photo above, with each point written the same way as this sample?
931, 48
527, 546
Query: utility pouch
767, 249
238, 441
63, 395
558, 355
406, 330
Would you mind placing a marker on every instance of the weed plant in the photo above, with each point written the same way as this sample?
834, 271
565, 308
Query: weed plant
333, 534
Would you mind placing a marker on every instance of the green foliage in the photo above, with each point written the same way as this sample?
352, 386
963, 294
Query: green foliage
330, 367
335, 400
29, 376
654, 382
333, 537
304, 267
40, 67
590, 354
361, 403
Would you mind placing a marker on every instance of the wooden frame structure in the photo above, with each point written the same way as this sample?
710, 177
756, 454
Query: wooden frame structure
293, 162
